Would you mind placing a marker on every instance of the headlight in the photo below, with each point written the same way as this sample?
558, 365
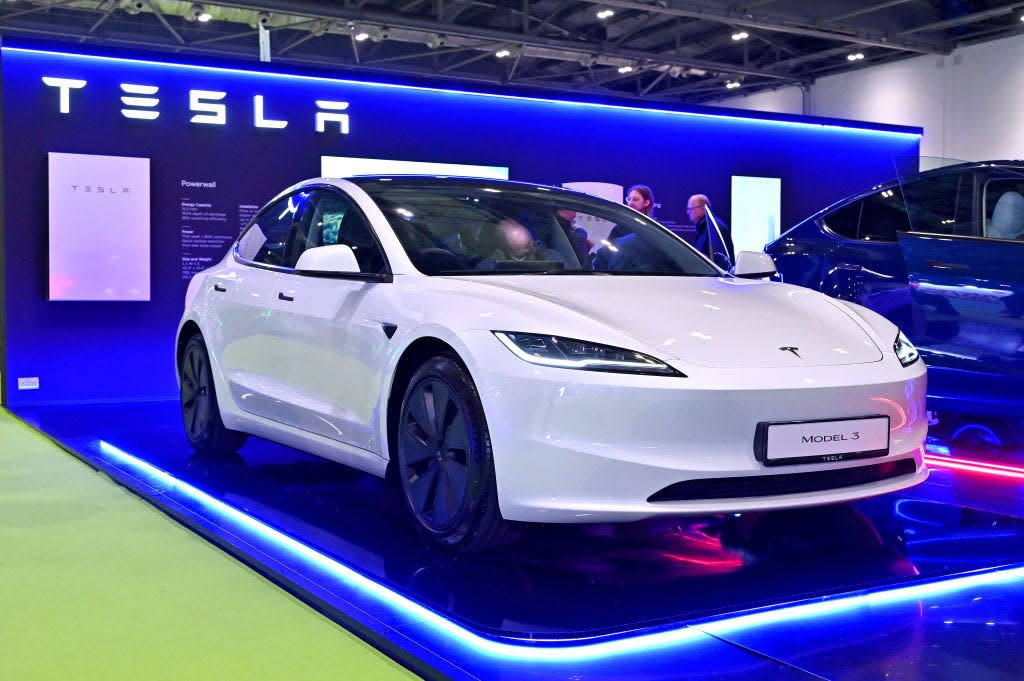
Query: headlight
569, 353
905, 350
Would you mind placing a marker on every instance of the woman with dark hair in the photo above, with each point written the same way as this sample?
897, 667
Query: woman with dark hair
641, 198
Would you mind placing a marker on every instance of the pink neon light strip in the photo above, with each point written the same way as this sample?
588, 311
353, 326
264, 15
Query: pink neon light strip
976, 466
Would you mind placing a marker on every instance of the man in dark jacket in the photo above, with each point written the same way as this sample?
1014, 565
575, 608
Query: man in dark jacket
716, 244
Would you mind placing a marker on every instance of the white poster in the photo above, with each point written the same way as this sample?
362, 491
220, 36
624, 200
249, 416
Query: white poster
347, 166
99, 227
756, 210
597, 229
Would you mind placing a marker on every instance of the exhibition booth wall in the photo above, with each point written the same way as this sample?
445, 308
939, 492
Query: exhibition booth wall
968, 102
122, 177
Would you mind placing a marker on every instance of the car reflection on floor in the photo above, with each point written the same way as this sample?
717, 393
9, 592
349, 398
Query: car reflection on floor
572, 580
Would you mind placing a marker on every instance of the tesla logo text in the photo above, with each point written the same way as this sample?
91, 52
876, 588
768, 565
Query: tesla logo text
142, 102
837, 437
791, 349
99, 189
833, 457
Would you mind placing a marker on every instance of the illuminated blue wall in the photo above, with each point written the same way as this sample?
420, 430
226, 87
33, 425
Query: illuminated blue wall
123, 351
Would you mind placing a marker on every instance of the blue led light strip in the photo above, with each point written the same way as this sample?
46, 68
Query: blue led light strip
321, 79
627, 644
231, 516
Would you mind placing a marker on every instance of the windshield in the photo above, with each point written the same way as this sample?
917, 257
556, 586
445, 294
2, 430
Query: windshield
460, 227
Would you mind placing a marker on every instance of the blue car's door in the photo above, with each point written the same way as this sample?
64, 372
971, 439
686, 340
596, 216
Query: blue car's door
864, 265
968, 297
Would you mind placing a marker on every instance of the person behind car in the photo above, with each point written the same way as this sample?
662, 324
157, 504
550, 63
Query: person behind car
696, 210
578, 237
640, 198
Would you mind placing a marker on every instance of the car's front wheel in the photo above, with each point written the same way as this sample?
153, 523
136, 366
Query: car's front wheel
204, 428
444, 461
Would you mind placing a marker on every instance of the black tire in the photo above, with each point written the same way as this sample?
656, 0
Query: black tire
199, 409
444, 462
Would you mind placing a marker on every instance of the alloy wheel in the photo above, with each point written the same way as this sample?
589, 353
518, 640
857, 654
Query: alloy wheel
195, 391
435, 453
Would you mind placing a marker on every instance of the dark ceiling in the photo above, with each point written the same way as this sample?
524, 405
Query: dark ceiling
682, 52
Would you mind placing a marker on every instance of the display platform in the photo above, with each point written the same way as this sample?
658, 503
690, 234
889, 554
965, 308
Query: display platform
824, 592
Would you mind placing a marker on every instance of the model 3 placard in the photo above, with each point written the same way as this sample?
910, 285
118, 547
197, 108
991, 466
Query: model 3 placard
99, 227
829, 440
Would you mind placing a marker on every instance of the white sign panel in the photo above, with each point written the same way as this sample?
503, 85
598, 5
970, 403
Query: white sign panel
99, 227
597, 229
756, 211
347, 166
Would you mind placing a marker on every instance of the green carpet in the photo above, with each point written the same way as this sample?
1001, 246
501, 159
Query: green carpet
97, 584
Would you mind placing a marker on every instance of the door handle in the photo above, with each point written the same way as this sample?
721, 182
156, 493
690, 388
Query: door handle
281, 295
939, 265
220, 288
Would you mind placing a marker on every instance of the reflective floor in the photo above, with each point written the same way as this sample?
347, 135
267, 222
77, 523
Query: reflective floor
586, 582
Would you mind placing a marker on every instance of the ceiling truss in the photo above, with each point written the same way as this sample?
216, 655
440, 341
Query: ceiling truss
659, 50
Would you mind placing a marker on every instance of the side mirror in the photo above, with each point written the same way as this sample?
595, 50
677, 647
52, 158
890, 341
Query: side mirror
753, 265
333, 259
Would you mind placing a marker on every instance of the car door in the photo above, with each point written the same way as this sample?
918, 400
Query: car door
331, 347
968, 283
241, 298
864, 264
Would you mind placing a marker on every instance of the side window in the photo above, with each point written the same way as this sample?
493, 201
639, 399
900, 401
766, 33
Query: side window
277, 236
845, 221
1004, 208
337, 220
884, 216
878, 217
940, 205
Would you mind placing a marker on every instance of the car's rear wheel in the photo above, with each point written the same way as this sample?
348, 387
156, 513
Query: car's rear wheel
199, 409
444, 460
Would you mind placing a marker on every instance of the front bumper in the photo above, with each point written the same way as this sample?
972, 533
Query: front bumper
580, 446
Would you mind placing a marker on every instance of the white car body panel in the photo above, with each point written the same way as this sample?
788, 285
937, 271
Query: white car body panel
316, 371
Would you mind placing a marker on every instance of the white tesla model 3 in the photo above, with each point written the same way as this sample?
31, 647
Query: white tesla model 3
512, 352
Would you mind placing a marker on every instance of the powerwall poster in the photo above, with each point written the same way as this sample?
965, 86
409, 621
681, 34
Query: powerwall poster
222, 141
99, 227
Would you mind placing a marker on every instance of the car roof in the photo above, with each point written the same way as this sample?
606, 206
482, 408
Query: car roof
933, 172
456, 181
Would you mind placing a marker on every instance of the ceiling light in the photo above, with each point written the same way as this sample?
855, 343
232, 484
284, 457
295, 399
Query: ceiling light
625, 69
856, 56
605, 14
360, 34
742, 35
732, 84
502, 53
199, 13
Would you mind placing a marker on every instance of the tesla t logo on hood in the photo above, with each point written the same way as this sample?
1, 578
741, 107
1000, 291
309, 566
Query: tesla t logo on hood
787, 348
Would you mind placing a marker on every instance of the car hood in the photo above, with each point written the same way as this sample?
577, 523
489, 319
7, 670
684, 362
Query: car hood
708, 321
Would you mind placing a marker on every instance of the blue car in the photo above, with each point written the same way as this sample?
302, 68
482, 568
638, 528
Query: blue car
941, 254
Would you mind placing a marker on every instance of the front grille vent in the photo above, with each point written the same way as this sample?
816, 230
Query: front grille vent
783, 483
